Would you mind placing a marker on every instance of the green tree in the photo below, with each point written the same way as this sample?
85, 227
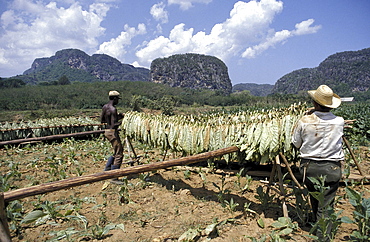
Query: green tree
63, 80
167, 104
11, 83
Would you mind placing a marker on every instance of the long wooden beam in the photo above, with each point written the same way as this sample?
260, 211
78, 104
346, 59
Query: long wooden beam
81, 180
55, 126
51, 137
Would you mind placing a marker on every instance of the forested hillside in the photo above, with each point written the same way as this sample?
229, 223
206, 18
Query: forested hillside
345, 72
77, 66
260, 90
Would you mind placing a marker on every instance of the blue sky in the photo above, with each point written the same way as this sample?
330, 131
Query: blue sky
260, 41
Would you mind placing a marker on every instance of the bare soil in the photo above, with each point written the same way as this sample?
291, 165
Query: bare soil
161, 205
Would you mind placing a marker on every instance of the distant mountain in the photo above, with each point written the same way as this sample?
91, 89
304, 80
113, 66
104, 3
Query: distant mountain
259, 90
76, 65
192, 71
345, 72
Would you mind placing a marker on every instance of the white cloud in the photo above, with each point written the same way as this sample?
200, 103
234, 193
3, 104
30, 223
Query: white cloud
246, 33
305, 27
248, 23
301, 28
31, 29
159, 13
186, 4
116, 47
278, 37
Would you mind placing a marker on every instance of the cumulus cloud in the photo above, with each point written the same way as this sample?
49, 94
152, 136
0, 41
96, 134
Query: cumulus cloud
246, 33
116, 46
248, 23
301, 28
159, 13
278, 37
305, 27
186, 4
31, 29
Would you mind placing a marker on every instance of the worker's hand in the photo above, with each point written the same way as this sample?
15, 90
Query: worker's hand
310, 111
347, 123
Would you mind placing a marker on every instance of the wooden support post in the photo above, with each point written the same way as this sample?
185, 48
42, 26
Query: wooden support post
353, 155
130, 147
293, 177
4, 228
281, 185
164, 155
272, 175
290, 170
134, 158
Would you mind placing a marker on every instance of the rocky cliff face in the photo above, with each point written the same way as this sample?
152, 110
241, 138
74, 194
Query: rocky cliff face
192, 71
76, 63
345, 72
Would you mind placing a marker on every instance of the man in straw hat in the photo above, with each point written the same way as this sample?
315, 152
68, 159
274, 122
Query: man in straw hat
111, 117
318, 136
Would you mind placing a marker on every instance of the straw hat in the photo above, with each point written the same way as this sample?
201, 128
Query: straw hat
114, 94
325, 96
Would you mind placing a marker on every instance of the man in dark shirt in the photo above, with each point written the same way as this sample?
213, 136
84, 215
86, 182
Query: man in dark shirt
111, 117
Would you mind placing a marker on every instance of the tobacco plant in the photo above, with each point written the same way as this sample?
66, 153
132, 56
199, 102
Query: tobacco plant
361, 215
45, 211
124, 192
222, 191
302, 207
144, 180
264, 197
328, 224
243, 187
231, 206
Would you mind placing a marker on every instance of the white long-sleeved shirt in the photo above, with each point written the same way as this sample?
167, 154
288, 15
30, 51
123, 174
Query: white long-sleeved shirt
319, 136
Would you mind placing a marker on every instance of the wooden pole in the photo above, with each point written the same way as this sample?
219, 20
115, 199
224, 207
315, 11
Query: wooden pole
4, 228
282, 156
81, 180
58, 126
281, 185
272, 176
130, 147
51, 137
353, 155
290, 170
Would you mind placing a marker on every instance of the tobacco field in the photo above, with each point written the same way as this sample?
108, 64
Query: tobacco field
222, 199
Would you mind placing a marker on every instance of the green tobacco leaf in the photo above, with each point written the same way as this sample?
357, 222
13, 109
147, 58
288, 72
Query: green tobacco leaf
346, 219
286, 231
69, 212
120, 226
33, 216
108, 228
261, 223
353, 196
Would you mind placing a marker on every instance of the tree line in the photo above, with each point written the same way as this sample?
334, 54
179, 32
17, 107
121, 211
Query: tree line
135, 95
